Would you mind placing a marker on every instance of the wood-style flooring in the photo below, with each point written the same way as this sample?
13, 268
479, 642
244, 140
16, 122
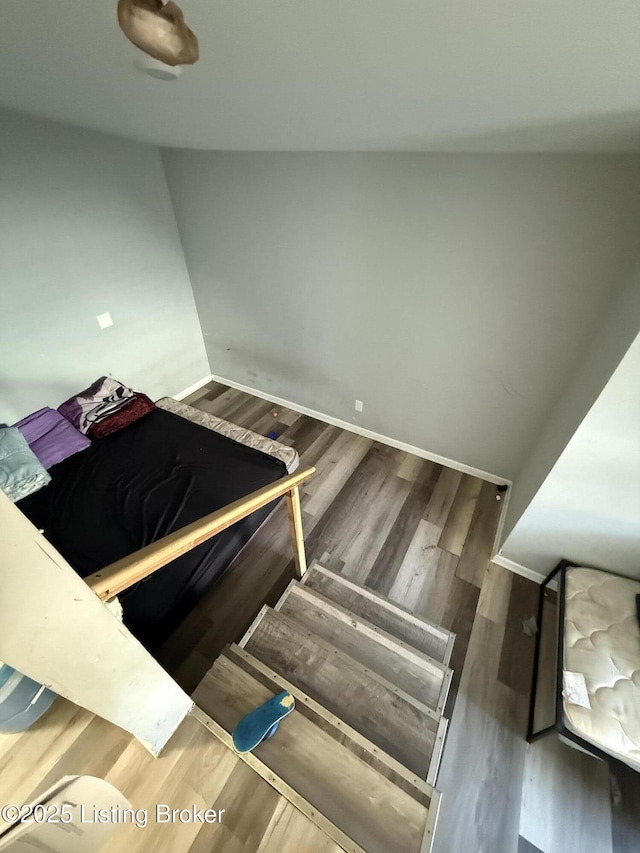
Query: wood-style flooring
194, 769
413, 530
421, 534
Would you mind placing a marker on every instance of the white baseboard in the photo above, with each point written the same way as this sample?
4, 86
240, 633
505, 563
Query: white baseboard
517, 569
192, 388
367, 433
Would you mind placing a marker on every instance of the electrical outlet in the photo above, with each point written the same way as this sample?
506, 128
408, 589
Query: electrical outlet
359, 405
104, 320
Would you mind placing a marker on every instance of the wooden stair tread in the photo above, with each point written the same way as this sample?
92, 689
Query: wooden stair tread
397, 723
419, 633
350, 738
415, 673
368, 808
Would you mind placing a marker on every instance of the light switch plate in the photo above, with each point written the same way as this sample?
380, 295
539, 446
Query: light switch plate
104, 320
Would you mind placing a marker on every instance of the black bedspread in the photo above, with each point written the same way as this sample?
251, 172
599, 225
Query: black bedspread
139, 484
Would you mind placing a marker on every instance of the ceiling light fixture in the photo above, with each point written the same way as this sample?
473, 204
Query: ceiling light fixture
159, 30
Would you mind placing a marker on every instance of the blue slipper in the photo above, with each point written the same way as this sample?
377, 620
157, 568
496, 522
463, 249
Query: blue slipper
260, 724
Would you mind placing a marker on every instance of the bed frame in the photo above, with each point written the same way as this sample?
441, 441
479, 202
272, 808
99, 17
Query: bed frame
115, 578
558, 725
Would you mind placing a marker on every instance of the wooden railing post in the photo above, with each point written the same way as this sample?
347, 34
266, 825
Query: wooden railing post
297, 536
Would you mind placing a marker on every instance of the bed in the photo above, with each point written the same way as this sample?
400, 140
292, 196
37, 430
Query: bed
596, 672
125, 491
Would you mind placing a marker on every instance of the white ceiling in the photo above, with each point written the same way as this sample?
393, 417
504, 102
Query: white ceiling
395, 75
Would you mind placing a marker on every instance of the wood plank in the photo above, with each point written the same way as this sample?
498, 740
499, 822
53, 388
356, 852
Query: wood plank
415, 673
350, 794
421, 559
359, 549
478, 546
257, 414
222, 403
196, 769
427, 583
279, 423
245, 410
40, 747
344, 517
250, 804
287, 416
390, 557
193, 398
444, 493
420, 634
289, 831
459, 616
409, 466
481, 771
320, 444
82, 752
280, 785
340, 730
213, 389
336, 466
353, 537
379, 711
304, 434
459, 517
565, 799
140, 784
625, 807
493, 603
190, 772
516, 659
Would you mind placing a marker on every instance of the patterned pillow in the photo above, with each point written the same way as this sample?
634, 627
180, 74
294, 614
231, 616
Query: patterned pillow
104, 407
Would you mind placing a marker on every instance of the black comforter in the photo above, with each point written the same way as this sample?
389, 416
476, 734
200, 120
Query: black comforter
133, 488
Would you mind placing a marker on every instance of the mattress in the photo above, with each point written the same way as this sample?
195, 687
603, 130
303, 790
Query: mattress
288, 455
601, 695
140, 484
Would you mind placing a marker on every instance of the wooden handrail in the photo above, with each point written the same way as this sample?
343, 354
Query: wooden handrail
118, 576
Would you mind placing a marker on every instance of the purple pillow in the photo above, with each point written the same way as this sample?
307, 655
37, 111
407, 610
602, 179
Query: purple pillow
51, 437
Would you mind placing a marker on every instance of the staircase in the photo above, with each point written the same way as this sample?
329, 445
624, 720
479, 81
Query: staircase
360, 753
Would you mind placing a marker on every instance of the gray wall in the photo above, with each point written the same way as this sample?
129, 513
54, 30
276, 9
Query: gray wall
453, 294
605, 348
86, 227
588, 508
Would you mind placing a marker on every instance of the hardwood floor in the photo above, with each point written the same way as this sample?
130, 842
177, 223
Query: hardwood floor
422, 535
195, 769
565, 788
409, 528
